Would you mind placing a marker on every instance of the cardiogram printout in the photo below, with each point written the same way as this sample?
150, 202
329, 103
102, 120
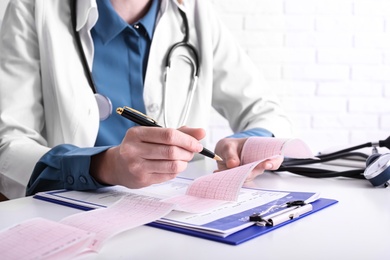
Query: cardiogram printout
214, 203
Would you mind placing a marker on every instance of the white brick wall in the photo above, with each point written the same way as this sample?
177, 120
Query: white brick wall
329, 61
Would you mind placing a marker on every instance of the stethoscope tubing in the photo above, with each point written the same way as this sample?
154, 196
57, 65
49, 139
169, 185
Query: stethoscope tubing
324, 158
104, 103
295, 165
194, 61
322, 173
186, 44
84, 60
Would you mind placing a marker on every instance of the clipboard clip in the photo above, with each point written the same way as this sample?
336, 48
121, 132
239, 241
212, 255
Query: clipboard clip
293, 209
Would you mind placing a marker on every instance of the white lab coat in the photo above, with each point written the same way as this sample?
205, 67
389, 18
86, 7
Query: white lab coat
45, 98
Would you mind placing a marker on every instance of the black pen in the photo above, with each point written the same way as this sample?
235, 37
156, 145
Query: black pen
143, 120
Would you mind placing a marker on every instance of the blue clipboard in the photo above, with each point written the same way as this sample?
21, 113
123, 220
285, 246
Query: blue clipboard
233, 239
64, 203
247, 233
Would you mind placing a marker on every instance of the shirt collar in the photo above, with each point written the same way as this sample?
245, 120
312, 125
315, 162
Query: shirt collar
149, 20
110, 24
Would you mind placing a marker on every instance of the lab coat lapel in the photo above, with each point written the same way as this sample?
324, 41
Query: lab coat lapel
87, 16
169, 30
67, 92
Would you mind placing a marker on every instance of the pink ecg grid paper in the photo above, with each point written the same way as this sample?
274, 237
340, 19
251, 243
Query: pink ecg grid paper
79, 233
224, 185
212, 190
44, 239
260, 148
41, 238
129, 212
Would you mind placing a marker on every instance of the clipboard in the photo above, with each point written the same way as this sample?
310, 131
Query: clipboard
249, 232
236, 238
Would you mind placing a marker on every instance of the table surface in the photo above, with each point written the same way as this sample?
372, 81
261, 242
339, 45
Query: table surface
357, 227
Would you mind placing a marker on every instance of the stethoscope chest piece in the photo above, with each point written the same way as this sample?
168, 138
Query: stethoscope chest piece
378, 170
104, 105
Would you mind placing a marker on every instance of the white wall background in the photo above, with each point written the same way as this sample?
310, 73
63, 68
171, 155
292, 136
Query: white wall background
329, 60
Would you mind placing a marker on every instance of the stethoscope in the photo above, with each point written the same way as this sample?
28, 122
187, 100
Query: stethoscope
377, 169
193, 60
104, 103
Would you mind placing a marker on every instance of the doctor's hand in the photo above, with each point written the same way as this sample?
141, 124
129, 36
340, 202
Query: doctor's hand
230, 150
147, 155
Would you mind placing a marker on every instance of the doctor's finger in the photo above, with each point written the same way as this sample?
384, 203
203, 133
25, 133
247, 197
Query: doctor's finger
151, 151
272, 163
153, 172
147, 179
167, 136
153, 178
230, 151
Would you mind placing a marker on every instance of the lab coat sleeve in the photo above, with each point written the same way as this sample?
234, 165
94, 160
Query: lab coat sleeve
21, 111
64, 167
252, 132
45, 99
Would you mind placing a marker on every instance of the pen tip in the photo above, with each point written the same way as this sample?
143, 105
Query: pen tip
217, 158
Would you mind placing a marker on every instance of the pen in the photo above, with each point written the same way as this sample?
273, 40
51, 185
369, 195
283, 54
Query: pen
143, 120
293, 210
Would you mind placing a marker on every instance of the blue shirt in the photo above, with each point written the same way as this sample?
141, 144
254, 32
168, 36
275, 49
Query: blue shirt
119, 75
119, 65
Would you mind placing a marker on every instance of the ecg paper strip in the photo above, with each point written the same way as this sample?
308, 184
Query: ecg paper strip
191, 204
45, 239
40, 238
130, 212
212, 190
258, 148
224, 185
209, 191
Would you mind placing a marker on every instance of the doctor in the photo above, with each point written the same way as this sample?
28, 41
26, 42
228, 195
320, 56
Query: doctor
54, 128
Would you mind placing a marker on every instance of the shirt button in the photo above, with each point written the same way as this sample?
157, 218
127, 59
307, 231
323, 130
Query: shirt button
83, 179
152, 108
136, 26
70, 179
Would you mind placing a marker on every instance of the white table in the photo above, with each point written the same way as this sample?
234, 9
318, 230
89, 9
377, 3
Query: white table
358, 227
